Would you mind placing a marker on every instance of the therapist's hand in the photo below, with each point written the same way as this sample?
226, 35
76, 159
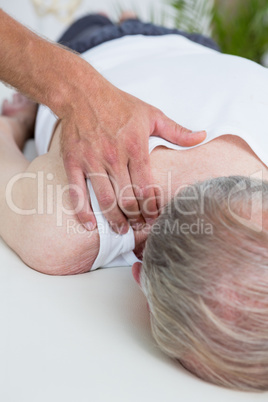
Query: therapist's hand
104, 130
105, 138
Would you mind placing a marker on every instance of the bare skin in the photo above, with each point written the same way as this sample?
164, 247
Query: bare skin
75, 92
126, 15
45, 241
20, 115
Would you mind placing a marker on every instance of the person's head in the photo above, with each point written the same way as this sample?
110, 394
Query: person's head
205, 277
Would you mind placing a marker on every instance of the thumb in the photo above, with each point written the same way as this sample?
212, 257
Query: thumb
179, 135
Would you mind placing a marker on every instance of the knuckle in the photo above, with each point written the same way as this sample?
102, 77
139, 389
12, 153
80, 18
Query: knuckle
91, 166
69, 159
111, 156
133, 147
136, 152
111, 159
159, 113
128, 204
145, 191
84, 216
106, 200
159, 116
73, 193
145, 162
118, 224
76, 190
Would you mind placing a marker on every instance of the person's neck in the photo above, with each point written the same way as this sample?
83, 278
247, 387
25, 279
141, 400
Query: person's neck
227, 155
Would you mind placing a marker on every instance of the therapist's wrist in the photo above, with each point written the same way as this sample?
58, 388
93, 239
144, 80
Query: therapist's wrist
76, 87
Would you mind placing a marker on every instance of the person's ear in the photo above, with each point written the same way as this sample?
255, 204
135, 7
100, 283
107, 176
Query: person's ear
136, 270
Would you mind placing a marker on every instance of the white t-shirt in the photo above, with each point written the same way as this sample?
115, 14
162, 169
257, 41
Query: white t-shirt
197, 87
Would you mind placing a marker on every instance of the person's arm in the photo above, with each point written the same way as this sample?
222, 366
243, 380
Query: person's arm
105, 130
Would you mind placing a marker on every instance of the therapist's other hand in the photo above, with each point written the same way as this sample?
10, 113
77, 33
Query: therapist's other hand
105, 138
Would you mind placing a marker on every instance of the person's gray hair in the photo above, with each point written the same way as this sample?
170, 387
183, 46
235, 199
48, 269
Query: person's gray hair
205, 277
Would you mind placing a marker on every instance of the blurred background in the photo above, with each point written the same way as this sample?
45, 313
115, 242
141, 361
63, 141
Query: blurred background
240, 27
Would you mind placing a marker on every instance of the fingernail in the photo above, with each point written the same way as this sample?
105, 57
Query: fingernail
89, 226
200, 132
119, 229
124, 229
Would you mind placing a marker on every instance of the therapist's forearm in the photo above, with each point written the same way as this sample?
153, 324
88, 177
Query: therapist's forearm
42, 70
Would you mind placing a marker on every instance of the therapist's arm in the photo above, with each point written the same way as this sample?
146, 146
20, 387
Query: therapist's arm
104, 130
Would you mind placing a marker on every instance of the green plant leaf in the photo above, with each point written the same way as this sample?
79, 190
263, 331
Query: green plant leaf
239, 27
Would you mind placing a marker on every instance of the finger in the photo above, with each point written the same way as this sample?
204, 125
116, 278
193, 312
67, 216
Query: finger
106, 197
80, 198
173, 132
136, 271
126, 198
140, 174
